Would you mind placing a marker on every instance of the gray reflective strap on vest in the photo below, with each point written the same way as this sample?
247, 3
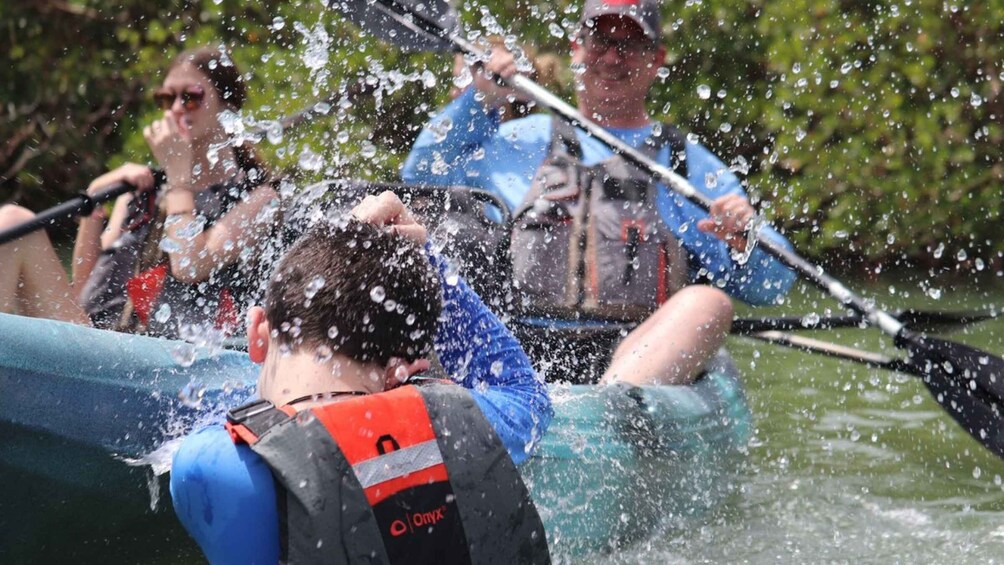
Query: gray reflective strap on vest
500, 521
398, 463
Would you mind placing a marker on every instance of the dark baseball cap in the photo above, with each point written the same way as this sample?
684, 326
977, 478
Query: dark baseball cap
645, 13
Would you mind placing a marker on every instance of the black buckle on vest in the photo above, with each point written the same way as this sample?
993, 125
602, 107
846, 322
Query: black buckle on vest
241, 414
632, 190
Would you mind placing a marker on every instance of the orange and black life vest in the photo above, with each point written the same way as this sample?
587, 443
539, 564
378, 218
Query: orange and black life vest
413, 475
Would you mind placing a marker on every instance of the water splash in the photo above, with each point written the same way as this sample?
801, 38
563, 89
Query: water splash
757, 224
316, 52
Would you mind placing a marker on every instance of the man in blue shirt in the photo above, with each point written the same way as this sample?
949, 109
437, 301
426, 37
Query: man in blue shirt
616, 55
338, 462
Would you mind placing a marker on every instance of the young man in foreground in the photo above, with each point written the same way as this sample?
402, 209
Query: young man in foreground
339, 463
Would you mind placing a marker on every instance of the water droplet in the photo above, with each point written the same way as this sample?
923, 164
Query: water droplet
556, 30
368, 150
278, 23
704, 92
463, 79
938, 251
310, 161
184, 354
439, 166
452, 274
740, 165
273, 131
231, 122
377, 294
496, 368
192, 393
428, 79
315, 284
163, 313
441, 128
192, 229
333, 332
961, 255
315, 55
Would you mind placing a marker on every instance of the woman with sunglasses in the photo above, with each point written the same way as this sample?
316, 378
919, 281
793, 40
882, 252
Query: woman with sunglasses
168, 258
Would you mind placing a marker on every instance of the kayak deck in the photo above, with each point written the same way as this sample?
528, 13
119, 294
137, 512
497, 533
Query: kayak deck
617, 463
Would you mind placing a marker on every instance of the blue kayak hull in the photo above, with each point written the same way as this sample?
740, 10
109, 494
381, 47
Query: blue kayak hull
85, 414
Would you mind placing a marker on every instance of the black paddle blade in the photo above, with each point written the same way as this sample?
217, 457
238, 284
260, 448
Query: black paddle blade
412, 25
933, 321
967, 382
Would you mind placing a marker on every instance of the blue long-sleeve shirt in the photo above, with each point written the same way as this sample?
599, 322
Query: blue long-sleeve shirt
468, 145
224, 493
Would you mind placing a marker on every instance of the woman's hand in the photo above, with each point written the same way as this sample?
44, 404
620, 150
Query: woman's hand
172, 150
729, 218
139, 176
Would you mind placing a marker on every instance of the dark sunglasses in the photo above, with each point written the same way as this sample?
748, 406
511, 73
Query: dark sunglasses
191, 98
599, 44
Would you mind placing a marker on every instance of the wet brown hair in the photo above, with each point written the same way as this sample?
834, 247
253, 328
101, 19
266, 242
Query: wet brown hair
362, 291
216, 65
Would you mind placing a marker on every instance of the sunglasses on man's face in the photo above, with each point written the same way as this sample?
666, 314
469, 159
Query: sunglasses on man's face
191, 97
599, 43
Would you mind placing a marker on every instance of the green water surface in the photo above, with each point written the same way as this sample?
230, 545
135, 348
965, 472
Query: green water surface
850, 464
